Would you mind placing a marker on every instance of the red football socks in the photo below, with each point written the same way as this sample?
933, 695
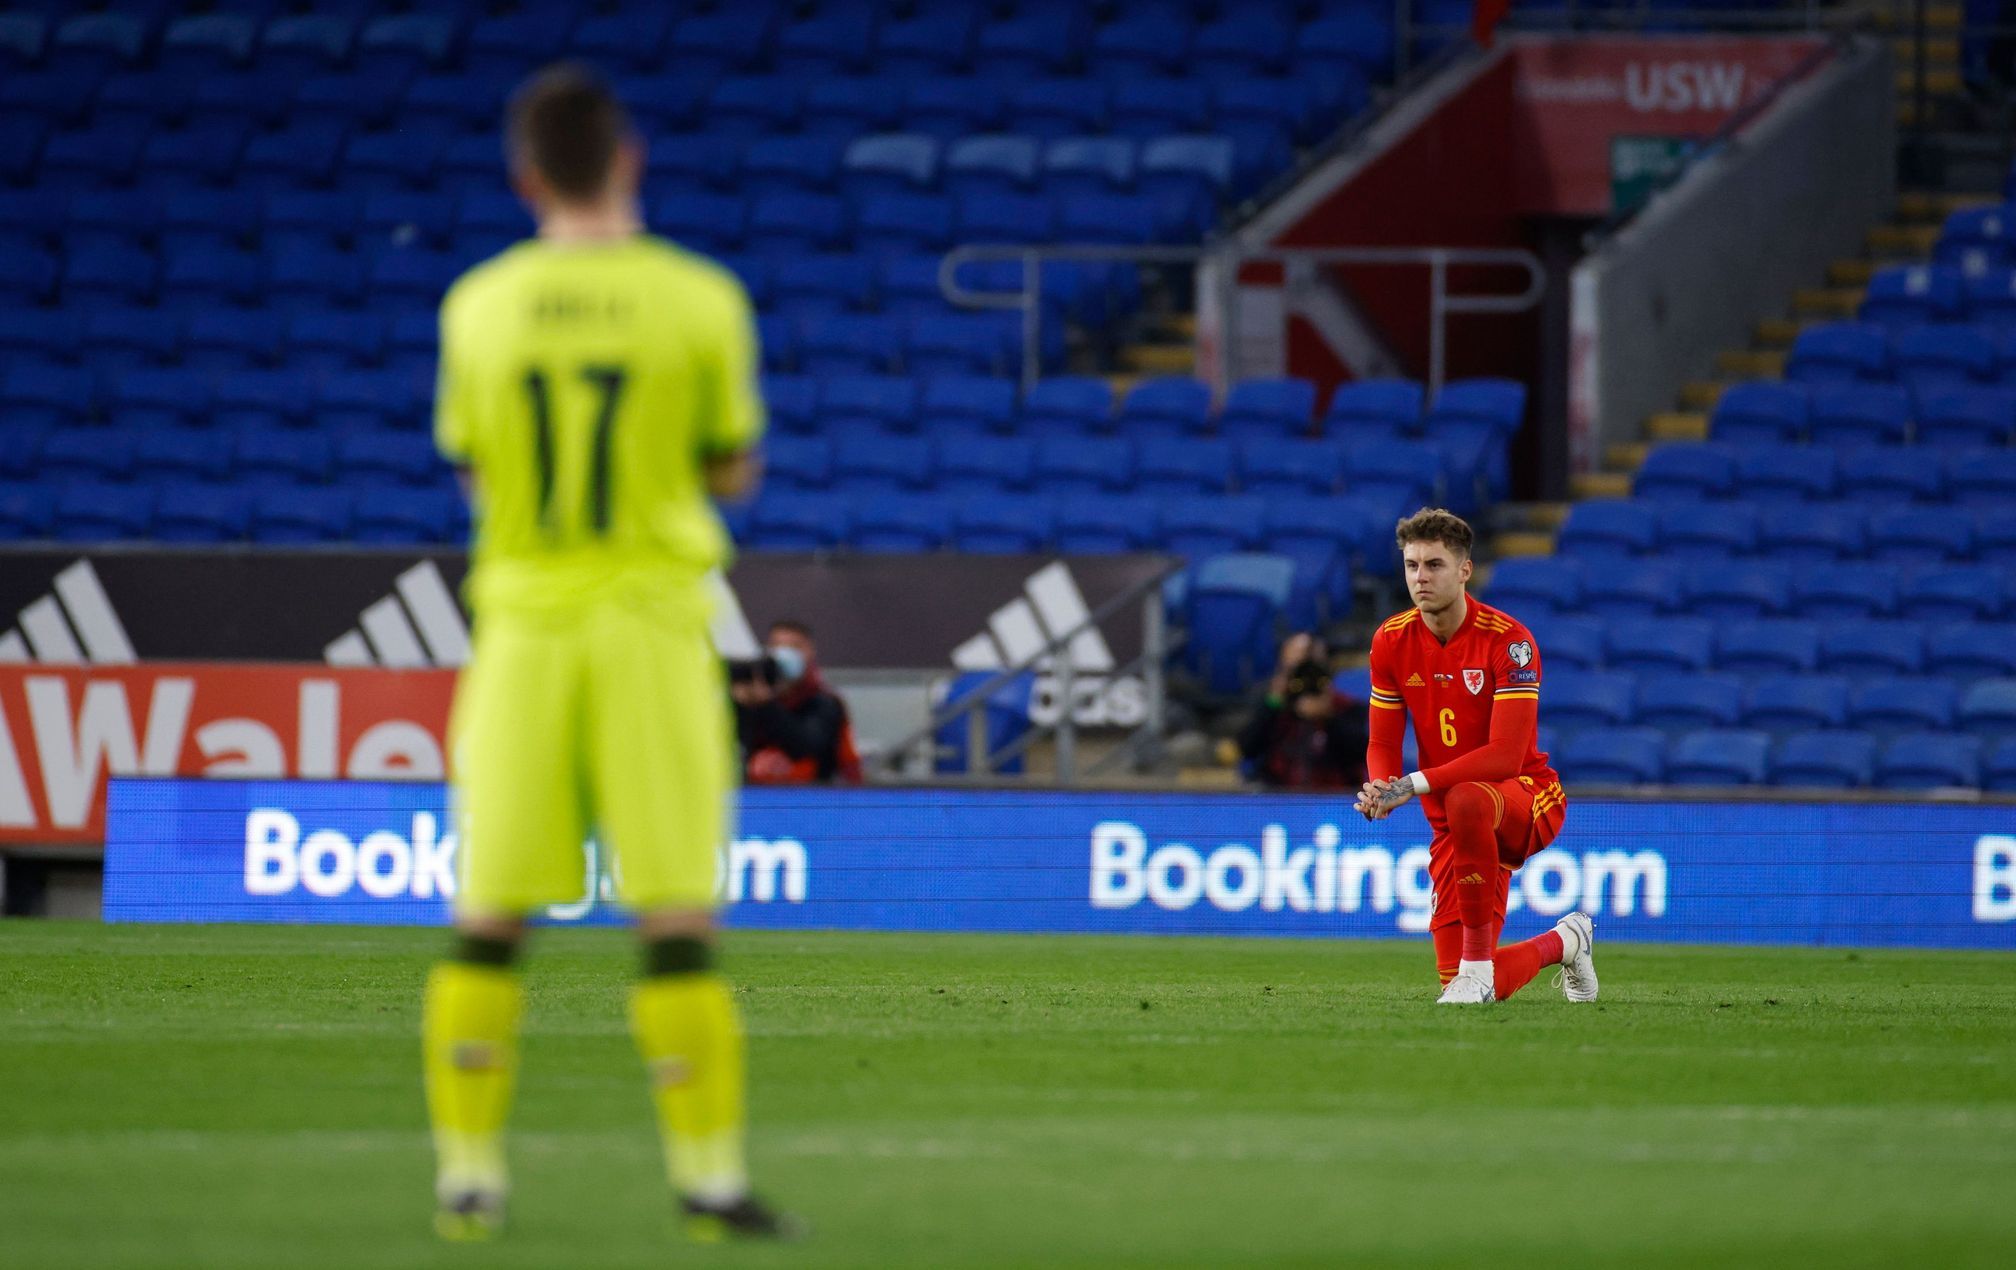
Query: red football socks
1516, 964
1472, 810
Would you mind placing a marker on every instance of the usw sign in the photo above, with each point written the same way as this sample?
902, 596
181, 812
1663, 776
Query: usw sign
65, 729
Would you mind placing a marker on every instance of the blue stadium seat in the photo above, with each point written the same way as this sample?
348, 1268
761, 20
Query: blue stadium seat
1004, 218
21, 450
27, 510
1699, 531
866, 458
1040, 41
1498, 402
1982, 478
1845, 591
1995, 536
1867, 647
284, 514
965, 399
1004, 721
102, 454
737, 37
787, 221
211, 274
262, 95
1268, 408
1860, 414
363, 399
1126, 220
389, 457
1080, 403
1943, 356
888, 223
1140, 45
1568, 642
930, 41
849, 344
280, 454
1699, 700
636, 36
1767, 646
1609, 527
1681, 645
1761, 411
1685, 470
1966, 650
1929, 760
301, 154
702, 219
912, 523
949, 108
361, 101
772, 164
1589, 698
22, 138
986, 463
187, 512
798, 462
1988, 708
34, 394
1089, 165
1719, 756
317, 218
1234, 610
1198, 528
28, 275
1834, 352
1613, 756
1910, 295
1891, 703
1534, 585
1974, 227
1735, 588
1957, 417
1243, 43
110, 274
479, 212
303, 44
1998, 769
182, 454
100, 511
965, 344
321, 275
1170, 465
194, 157
389, 515
778, 338
100, 42
1084, 466
1412, 469
40, 335
1788, 702
658, 103
887, 402
1778, 472
1099, 526
333, 339
263, 398
206, 44
1920, 534
1793, 531
1189, 178
676, 163
1003, 524
1143, 109
752, 105
132, 338
896, 163
1278, 465
1825, 760
798, 521
230, 339
1390, 406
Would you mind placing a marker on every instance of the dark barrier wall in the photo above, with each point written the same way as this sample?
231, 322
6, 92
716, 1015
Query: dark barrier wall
916, 859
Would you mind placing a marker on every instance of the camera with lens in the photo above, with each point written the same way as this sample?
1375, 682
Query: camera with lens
1310, 678
743, 670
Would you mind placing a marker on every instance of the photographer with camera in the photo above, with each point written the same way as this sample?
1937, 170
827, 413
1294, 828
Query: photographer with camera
793, 728
1304, 735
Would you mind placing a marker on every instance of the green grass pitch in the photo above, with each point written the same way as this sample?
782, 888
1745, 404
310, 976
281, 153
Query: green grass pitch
249, 1097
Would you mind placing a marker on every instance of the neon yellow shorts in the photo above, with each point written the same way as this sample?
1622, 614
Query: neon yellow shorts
613, 720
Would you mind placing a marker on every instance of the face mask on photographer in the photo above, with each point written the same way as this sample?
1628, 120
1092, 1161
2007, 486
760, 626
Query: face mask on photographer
790, 662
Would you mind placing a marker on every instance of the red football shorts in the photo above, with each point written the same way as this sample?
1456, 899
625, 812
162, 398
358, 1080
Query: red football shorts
1529, 817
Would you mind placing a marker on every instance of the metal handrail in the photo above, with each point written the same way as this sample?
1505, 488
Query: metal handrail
980, 760
1437, 260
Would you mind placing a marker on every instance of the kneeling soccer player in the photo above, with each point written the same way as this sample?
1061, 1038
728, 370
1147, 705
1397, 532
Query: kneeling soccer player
1469, 675
598, 385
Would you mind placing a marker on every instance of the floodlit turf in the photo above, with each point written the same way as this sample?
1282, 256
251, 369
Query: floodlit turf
222, 1097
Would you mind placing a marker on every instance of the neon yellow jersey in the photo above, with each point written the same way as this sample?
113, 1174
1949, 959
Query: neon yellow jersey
586, 385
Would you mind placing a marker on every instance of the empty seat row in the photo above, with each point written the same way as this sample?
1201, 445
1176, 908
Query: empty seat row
1920, 295
1938, 414
113, 339
1713, 471
1918, 355
195, 511
1779, 702
125, 273
1927, 589
35, 397
243, 445
1821, 760
1681, 647
1675, 532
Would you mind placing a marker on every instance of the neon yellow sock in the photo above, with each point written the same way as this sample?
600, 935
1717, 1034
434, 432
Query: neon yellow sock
469, 1048
690, 1036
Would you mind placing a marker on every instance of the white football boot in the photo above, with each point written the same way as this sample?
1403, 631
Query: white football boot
1470, 989
1578, 968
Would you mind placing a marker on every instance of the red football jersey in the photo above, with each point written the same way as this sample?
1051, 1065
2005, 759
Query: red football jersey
1450, 689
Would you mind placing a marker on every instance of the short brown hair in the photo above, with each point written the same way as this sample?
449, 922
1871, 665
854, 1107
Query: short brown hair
1435, 524
566, 124
792, 624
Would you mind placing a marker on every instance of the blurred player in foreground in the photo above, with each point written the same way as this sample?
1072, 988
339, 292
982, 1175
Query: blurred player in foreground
1470, 677
598, 386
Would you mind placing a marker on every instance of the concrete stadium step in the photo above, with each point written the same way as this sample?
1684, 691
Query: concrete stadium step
1942, 16
1702, 394
1940, 81
1912, 241
1600, 485
1850, 273
1826, 303
1626, 456
1940, 50
1539, 517
1741, 363
1777, 332
1932, 207
1678, 425
1519, 543
1160, 359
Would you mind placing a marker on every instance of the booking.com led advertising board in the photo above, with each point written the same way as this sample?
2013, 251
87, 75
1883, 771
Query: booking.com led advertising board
1925, 875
